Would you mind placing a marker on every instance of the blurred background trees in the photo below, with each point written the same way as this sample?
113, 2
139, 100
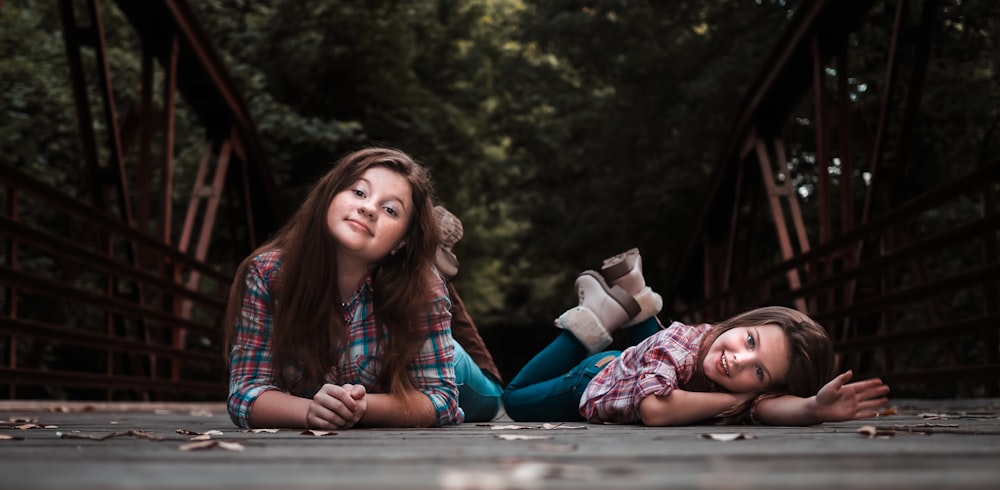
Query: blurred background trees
559, 131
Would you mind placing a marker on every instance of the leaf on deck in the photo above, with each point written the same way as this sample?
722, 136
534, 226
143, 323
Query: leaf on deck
131, 433
520, 437
727, 437
35, 426
189, 432
314, 432
212, 444
872, 432
545, 426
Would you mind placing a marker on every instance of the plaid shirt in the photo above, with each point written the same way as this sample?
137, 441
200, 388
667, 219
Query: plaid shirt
656, 366
251, 373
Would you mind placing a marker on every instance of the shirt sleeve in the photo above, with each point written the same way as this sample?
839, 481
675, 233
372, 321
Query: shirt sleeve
250, 368
653, 367
433, 368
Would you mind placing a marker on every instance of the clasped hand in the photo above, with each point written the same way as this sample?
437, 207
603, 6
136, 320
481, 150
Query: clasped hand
839, 400
337, 407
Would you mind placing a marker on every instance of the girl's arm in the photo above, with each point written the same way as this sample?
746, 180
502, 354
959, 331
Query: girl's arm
687, 407
413, 410
333, 407
341, 407
432, 373
837, 401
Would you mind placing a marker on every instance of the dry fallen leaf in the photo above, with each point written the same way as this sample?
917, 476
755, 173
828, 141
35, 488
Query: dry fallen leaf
928, 415
189, 432
728, 437
194, 446
887, 411
520, 437
546, 426
562, 426
132, 433
212, 443
5, 437
509, 427
314, 432
872, 432
270, 431
230, 446
35, 426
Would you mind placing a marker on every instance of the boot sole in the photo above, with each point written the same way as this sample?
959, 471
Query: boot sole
619, 265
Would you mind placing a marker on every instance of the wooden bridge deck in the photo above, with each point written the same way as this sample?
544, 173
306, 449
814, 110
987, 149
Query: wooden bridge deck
925, 444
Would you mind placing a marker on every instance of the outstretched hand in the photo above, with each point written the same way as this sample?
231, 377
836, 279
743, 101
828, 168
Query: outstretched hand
839, 400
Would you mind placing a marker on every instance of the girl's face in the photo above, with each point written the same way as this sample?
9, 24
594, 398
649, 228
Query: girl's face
747, 359
370, 217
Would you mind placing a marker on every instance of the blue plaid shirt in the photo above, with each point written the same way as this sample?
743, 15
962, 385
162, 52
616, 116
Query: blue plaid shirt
251, 373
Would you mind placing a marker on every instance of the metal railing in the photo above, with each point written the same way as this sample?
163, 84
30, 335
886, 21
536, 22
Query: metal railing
904, 274
92, 304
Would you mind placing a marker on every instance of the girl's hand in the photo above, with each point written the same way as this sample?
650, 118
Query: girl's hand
337, 407
839, 400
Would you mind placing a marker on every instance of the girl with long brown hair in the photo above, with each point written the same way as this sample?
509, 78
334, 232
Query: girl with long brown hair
341, 319
772, 365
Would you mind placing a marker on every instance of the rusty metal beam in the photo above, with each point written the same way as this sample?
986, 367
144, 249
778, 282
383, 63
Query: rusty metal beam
169, 30
785, 77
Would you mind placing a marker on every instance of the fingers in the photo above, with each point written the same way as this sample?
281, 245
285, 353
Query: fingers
357, 391
333, 407
321, 418
869, 388
841, 379
871, 395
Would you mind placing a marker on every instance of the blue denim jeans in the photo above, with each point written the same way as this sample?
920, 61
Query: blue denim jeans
548, 388
478, 392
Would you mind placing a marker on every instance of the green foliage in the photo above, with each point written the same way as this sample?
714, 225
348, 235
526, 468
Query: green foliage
37, 124
559, 131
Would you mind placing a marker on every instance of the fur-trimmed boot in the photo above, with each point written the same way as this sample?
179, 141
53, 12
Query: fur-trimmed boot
602, 309
450, 231
625, 270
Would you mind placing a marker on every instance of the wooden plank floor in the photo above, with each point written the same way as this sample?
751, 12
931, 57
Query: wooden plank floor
926, 444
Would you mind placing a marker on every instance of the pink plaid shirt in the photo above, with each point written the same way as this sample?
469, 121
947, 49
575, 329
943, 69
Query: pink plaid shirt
656, 366
250, 370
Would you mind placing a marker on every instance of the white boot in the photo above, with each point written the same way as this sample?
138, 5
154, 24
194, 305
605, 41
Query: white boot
602, 309
625, 270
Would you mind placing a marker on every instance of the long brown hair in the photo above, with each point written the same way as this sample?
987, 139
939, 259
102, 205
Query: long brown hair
810, 353
309, 327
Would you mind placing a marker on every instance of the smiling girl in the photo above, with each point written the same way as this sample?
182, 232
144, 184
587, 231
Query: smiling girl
340, 319
770, 365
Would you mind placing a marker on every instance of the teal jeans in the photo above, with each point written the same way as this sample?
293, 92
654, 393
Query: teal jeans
478, 392
549, 387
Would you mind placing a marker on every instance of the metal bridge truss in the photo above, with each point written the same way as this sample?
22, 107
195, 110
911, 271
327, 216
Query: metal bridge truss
905, 280
128, 304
